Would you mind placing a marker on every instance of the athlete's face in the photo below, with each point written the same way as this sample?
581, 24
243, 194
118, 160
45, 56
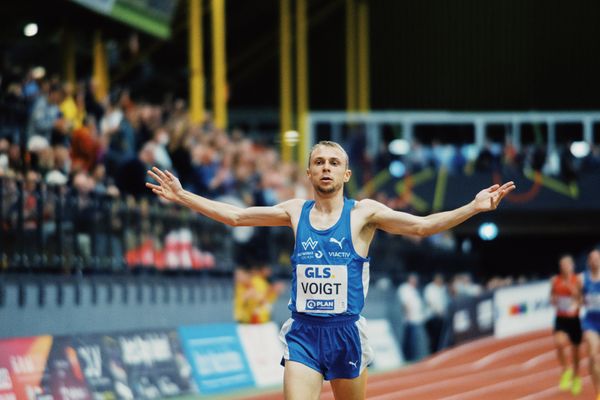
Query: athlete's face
328, 170
567, 266
594, 260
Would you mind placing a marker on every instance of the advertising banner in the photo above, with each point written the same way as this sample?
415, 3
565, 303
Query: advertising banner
146, 365
96, 368
64, 378
217, 357
22, 368
472, 318
521, 309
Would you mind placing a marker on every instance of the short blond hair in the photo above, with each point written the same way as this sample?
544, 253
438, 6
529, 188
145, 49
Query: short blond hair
329, 143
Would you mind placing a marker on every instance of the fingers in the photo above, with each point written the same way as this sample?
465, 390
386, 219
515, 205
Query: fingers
504, 190
152, 186
155, 177
508, 186
170, 175
493, 188
163, 177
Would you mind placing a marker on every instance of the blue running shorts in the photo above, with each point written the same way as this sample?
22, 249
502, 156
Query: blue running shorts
591, 322
336, 347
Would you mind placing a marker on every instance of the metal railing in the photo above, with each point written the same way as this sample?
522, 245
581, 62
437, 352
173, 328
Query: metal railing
53, 227
334, 125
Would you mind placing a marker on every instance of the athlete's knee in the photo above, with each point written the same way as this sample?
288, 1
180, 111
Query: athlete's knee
595, 361
561, 339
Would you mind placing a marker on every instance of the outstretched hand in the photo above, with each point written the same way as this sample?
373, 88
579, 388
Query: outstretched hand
489, 199
168, 186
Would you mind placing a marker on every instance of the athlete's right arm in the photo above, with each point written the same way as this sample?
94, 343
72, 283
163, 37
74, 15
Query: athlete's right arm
169, 188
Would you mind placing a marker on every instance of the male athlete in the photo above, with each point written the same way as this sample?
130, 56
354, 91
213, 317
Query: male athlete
566, 298
325, 338
590, 284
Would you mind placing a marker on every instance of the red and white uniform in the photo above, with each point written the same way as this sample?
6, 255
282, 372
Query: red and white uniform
564, 290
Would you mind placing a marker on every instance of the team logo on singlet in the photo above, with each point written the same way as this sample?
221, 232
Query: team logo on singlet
309, 243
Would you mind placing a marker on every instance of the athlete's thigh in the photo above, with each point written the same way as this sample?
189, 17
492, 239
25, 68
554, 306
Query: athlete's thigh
301, 382
592, 341
561, 338
350, 389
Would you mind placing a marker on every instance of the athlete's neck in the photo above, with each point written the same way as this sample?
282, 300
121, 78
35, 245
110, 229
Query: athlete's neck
329, 204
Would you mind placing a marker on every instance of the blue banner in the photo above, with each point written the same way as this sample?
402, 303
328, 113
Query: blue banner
218, 361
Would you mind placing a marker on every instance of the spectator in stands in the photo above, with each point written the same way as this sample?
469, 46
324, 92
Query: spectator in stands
31, 87
131, 175
436, 300
46, 119
463, 286
71, 111
4, 147
205, 167
119, 139
82, 207
565, 296
85, 146
92, 100
160, 139
414, 344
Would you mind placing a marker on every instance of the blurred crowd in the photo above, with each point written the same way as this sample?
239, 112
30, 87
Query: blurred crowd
54, 134
110, 142
426, 309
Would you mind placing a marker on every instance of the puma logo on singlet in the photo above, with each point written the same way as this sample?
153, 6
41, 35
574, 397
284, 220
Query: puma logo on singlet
353, 363
338, 242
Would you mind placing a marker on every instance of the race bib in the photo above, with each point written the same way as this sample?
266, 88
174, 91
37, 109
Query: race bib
565, 304
321, 289
592, 302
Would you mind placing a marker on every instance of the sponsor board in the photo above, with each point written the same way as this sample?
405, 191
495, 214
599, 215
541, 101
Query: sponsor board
94, 366
217, 357
264, 351
64, 377
146, 364
23, 368
471, 318
521, 309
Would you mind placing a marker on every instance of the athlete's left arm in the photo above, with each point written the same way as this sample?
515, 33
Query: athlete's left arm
402, 223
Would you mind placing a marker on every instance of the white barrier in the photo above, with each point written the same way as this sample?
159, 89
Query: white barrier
521, 309
385, 347
264, 351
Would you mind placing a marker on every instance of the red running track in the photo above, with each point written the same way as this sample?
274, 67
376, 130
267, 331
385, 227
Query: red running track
520, 367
